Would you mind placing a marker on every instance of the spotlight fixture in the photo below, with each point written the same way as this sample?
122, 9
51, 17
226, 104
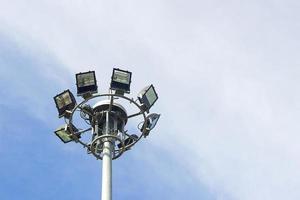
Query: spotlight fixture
120, 81
150, 123
148, 97
86, 83
64, 101
64, 133
129, 140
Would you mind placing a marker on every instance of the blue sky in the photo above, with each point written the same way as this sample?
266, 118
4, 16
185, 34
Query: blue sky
36, 165
227, 74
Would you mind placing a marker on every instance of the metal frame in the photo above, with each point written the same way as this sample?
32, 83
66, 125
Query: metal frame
106, 137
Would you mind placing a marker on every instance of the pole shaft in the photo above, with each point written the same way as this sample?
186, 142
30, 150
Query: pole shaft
107, 166
107, 172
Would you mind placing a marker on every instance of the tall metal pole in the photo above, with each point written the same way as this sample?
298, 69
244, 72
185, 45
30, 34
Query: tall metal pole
107, 165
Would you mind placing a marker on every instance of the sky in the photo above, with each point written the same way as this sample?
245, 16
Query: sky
227, 75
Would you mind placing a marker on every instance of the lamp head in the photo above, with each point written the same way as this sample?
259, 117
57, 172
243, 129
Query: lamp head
86, 83
148, 97
120, 81
64, 133
64, 101
150, 123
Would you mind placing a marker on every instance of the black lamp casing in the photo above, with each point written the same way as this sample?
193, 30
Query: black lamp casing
128, 141
69, 107
66, 128
81, 90
143, 97
150, 123
118, 86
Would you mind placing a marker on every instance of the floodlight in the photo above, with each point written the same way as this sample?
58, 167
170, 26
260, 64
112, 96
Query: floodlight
64, 133
129, 140
150, 123
120, 81
64, 101
86, 83
148, 97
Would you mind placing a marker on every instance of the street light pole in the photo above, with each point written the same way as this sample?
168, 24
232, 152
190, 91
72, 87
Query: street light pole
107, 172
107, 165
104, 130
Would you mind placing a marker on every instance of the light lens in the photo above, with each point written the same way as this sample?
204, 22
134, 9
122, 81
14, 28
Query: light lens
86, 83
153, 118
85, 79
64, 101
150, 123
151, 96
120, 81
148, 97
129, 140
64, 133
121, 77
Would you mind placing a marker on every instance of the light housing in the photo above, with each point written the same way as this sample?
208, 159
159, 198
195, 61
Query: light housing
150, 123
120, 81
148, 97
64, 101
86, 83
128, 140
64, 133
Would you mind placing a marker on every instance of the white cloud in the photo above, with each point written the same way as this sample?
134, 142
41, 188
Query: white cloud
227, 75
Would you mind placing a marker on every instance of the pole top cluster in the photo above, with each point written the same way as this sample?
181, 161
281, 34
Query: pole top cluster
86, 121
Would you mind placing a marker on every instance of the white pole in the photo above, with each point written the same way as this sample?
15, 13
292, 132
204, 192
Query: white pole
107, 166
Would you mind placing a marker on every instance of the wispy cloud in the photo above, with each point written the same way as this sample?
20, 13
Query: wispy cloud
227, 75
